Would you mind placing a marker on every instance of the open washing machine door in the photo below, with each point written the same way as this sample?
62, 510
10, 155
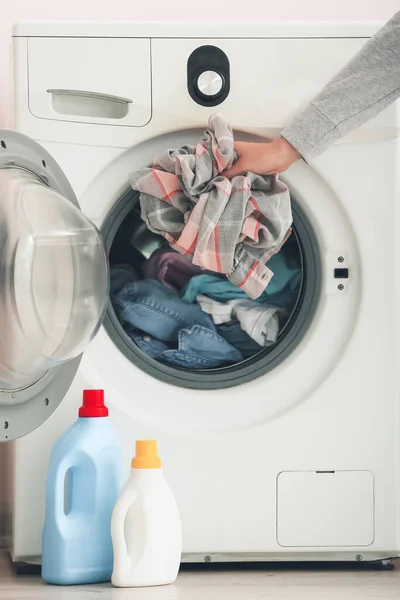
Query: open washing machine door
54, 284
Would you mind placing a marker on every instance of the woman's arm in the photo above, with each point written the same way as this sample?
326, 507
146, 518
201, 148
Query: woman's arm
368, 84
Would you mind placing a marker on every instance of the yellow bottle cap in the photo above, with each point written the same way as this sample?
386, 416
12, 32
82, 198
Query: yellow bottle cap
146, 455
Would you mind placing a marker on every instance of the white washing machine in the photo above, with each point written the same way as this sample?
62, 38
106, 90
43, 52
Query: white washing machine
292, 455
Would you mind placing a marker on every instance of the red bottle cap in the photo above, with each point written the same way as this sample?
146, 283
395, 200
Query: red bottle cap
93, 404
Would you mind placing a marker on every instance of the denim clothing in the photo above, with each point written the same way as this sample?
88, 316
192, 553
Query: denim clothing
120, 276
201, 348
150, 306
150, 345
234, 334
282, 290
197, 348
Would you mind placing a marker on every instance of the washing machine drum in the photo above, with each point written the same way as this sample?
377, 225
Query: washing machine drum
129, 241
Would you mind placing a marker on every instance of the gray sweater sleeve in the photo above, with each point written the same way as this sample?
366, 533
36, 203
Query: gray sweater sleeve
362, 89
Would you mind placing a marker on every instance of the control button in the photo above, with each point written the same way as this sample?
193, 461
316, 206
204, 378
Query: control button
210, 83
208, 76
147, 338
341, 273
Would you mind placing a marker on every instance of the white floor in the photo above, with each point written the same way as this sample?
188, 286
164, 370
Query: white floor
318, 584
308, 584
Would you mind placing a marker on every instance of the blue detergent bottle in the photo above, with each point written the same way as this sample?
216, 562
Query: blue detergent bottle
83, 485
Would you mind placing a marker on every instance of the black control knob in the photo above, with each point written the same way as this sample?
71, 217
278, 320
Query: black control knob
208, 76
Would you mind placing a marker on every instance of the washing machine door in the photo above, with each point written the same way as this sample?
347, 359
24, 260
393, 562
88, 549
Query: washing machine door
53, 284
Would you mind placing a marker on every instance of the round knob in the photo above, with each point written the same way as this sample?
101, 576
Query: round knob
210, 83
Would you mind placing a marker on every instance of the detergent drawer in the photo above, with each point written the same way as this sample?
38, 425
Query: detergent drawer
90, 80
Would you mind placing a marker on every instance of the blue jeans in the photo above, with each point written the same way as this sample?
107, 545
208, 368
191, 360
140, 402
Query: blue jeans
198, 348
151, 307
120, 276
178, 333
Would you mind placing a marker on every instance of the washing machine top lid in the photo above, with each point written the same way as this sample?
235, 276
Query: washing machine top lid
134, 29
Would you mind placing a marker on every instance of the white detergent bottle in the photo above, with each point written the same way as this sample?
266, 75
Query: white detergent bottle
146, 526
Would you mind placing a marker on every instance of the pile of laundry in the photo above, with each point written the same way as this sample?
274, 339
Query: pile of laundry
221, 289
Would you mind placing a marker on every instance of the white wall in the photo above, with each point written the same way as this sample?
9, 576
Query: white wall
162, 10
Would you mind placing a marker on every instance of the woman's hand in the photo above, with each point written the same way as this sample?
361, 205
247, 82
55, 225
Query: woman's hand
263, 158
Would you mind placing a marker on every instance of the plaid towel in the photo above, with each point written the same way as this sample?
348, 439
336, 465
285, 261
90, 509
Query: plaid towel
227, 227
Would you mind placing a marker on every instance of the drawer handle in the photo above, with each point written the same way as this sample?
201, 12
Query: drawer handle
83, 103
86, 94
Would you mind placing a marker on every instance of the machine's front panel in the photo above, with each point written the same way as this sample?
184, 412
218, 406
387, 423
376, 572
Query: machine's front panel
325, 416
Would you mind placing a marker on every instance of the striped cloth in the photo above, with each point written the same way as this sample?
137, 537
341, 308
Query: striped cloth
226, 227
